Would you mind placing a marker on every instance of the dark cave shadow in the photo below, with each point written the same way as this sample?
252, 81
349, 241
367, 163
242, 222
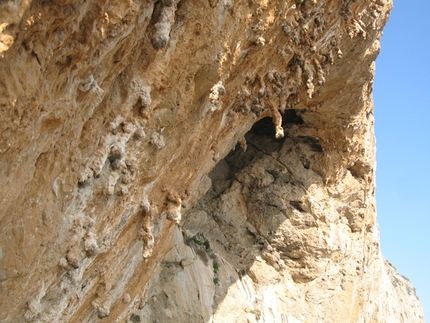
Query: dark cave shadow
262, 202
269, 192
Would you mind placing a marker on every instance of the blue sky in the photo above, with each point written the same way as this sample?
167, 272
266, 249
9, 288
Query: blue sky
402, 113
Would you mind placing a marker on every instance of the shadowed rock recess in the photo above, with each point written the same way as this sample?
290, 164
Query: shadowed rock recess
192, 161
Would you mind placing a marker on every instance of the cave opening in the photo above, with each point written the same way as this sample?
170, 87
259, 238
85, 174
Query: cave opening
260, 140
253, 214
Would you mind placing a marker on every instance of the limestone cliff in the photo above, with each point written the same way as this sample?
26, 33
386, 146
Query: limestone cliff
192, 161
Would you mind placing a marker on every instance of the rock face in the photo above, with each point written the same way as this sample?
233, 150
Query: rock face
192, 161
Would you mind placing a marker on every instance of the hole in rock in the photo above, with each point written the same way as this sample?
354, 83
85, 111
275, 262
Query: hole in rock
260, 141
358, 170
297, 205
252, 215
134, 318
265, 126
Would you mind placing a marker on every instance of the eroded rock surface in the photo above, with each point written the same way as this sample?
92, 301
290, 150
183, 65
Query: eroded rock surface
192, 161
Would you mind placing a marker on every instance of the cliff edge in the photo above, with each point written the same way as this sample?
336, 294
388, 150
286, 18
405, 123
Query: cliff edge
192, 161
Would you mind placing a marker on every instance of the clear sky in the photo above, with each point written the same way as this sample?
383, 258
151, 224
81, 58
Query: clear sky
402, 113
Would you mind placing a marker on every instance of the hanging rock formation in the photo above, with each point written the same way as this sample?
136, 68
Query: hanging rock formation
192, 161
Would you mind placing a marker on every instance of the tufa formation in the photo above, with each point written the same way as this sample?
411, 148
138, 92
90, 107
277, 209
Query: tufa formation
192, 161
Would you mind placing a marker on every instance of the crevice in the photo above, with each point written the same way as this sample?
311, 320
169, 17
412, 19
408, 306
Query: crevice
358, 171
297, 205
35, 56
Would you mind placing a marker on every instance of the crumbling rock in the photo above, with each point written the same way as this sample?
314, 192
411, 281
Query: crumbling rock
192, 162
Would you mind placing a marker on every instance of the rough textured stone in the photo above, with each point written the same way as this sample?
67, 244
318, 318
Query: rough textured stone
191, 161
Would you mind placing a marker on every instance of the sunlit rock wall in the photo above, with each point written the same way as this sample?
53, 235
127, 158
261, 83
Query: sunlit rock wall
191, 161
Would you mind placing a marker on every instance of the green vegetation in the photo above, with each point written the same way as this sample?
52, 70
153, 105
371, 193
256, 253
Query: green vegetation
197, 241
216, 267
207, 245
